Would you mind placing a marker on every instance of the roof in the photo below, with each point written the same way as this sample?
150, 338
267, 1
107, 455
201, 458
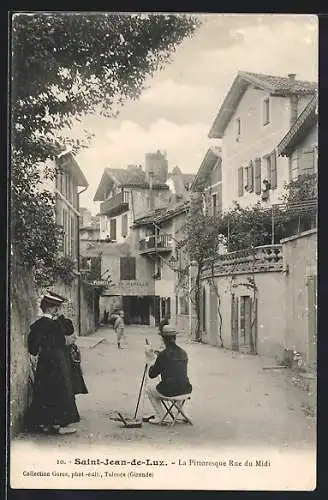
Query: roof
162, 215
302, 125
130, 177
207, 165
188, 179
275, 85
66, 159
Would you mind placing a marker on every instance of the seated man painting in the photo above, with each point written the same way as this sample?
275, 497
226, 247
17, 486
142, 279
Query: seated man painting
171, 364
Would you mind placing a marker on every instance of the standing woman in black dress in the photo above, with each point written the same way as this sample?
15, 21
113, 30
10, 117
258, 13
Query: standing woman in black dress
53, 405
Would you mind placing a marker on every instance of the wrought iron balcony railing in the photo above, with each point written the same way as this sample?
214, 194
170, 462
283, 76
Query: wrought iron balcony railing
115, 205
153, 244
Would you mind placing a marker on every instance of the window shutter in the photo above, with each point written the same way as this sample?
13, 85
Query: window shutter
240, 181
127, 268
124, 225
73, 236
250, 179
273, 170
113, 229
258, 176
219, 199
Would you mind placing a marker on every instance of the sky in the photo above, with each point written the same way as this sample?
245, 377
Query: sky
175, 112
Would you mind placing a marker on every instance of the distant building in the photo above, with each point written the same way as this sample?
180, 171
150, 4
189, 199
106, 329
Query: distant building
89, 229
159, 234
255, 115
69, 181
300, 144
126, 195
209, 180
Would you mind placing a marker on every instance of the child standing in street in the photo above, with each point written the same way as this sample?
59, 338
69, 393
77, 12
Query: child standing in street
119, 329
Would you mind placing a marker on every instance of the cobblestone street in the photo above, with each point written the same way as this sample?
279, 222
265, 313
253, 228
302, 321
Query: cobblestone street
235, 402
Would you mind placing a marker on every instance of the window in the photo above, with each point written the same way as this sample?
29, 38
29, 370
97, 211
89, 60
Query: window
238, 129
240, 181
176, 305
127, 268
214, 199
124, 229
258, 176
112, 230
266, 111
306, 162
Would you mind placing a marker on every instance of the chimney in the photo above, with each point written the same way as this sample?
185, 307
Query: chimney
157, 163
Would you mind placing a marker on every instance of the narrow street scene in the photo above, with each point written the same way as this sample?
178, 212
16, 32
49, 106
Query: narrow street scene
164, 250
272, 409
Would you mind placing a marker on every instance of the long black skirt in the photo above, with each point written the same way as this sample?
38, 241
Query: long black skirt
53, 399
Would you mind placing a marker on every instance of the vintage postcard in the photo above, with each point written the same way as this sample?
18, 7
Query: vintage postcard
163, 252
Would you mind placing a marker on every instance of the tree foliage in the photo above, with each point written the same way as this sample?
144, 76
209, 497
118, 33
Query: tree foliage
201, 242
64, 66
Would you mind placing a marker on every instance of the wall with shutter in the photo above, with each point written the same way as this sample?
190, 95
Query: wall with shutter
255, 141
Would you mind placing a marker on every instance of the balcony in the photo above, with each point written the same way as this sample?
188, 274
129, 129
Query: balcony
259, 259
115, 205
156, 244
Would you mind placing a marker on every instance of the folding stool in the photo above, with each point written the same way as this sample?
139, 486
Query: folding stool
174, 409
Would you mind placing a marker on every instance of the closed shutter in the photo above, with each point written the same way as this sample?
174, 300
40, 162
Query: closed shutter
127, 268
219, 199
73, 237
113, 229
69, 234
240, 181
250, 178
273, 170
124, 225
258, 176
306, 162
65, 231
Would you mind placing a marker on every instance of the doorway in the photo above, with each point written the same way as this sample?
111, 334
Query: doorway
136, 310
244, 323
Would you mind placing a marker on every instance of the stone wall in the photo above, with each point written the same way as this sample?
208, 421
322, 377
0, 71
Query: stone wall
300, 263
23, 312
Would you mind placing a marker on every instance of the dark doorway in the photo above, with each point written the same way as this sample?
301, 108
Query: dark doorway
156, 309
136, 310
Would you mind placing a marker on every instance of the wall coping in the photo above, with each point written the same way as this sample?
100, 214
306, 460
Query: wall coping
299, 235
239, 273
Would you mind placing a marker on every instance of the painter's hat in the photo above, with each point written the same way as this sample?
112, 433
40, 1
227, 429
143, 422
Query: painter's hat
168, 331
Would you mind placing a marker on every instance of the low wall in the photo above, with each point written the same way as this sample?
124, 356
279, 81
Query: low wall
270, 310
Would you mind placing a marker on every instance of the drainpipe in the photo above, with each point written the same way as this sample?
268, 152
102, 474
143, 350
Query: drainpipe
78, 260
